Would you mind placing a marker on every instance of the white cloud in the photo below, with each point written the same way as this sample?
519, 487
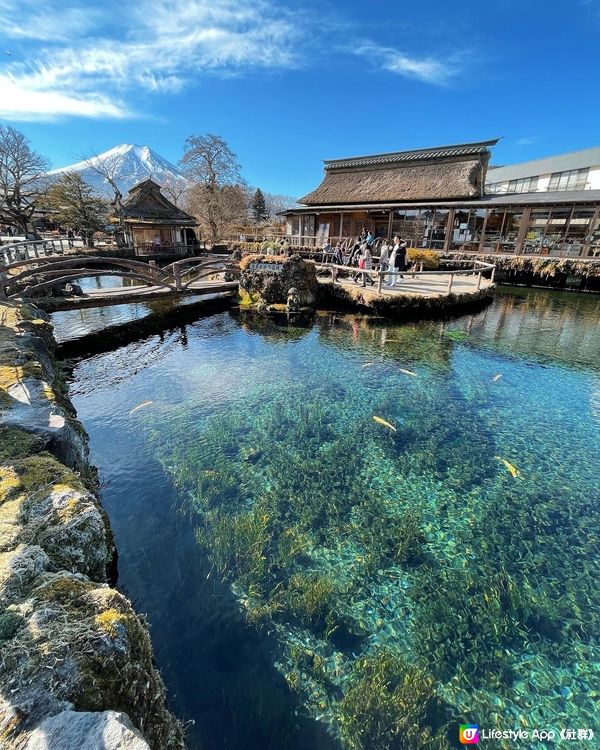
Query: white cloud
45, 20
527, 141
157, 46
427, 69
17, 102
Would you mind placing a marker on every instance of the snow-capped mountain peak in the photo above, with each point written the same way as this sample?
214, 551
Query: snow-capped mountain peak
131, 162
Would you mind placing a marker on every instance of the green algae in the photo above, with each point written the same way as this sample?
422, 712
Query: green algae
347, 542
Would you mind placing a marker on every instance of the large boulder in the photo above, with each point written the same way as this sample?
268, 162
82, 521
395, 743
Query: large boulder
267, 279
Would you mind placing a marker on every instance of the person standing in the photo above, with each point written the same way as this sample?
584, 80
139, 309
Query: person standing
368, 265
399, 253
384, 257
392, 276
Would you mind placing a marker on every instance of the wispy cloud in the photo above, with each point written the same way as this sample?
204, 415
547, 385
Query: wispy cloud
155, 46
427, 69
526, 141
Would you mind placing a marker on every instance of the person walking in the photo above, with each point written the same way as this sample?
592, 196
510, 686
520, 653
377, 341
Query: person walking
397, 259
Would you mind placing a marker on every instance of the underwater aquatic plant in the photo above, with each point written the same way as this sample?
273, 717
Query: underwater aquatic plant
391, 705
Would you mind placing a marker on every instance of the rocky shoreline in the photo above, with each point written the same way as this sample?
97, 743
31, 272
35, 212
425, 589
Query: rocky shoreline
76, 661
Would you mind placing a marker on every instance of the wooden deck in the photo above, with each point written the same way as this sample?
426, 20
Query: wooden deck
425, 286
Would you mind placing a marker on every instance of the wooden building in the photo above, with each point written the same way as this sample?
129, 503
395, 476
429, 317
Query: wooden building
154, 225
435, 198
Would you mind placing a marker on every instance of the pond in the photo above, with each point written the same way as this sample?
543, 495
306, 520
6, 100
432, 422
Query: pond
360, 534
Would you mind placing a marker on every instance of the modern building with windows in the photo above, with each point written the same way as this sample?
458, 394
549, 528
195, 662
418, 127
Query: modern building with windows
447, 198
579, 170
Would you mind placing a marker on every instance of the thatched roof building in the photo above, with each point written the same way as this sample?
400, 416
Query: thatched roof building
434, 198
146, 203
154, 225
446, 172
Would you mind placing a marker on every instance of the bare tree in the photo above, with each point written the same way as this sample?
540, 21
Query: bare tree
76, 205
217, 210
22, 178
277, 202
110, 169
175, 188
209, 162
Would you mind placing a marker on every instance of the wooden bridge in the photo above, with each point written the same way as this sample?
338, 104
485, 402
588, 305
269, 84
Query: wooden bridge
41, 277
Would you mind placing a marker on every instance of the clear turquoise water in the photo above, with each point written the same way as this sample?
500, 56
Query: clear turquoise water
314, 578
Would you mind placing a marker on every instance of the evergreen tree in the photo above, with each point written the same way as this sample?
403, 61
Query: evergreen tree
76, 206
260, 212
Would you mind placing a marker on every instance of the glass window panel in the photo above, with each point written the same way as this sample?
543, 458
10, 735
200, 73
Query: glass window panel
512, 225
574, 179
411, 226
398, 222
437, 234
579, 226
493, 228
536, 230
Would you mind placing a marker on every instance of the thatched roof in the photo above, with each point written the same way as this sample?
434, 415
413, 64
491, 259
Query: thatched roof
446, 172
145, 202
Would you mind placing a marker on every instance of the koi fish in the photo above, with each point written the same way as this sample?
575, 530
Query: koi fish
408, 372
382, 421
368, 364
514, 472
496, 378
140, 406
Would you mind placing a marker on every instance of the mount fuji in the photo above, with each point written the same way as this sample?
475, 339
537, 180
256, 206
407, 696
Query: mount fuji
131, 164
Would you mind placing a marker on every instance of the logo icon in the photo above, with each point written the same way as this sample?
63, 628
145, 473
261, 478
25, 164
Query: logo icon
468, 734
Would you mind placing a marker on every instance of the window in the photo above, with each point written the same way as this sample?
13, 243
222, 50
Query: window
524, 185
574, 179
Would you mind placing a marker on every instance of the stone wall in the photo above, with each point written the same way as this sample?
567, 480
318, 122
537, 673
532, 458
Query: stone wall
76, 664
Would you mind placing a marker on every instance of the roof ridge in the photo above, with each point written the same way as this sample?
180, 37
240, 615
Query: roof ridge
390, 155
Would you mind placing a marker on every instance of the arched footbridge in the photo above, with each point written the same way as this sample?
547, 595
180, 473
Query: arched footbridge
51, 281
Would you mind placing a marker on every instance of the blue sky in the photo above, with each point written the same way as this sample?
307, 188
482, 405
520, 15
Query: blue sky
289, 84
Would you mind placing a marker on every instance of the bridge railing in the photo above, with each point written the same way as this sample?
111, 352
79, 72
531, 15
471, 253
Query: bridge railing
32, 275
480, 270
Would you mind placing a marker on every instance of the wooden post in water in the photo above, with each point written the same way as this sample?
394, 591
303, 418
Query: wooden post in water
493, 274
380, 282
479, 281
450, 283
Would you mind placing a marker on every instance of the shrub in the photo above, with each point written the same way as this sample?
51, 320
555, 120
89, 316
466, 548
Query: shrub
429, 258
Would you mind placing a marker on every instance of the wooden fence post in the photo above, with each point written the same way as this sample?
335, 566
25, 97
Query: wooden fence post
450, 283
177, 275
479, 281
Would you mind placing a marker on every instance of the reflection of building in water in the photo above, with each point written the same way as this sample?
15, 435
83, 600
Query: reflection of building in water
446, 198
544, 325
595, 404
